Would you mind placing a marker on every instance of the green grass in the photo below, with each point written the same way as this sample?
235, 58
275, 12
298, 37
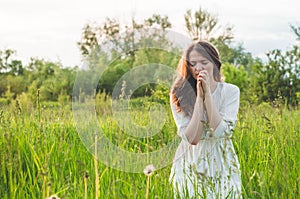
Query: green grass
41, 154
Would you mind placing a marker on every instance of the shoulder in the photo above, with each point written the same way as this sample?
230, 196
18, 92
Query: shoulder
229, 91
229, 88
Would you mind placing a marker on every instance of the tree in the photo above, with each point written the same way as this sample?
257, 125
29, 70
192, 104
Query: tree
4, 59
8, 65
51, 78
296, 30
93, 34
280, 77
11, 73
124, 40
237, 76
201, 25
122, 48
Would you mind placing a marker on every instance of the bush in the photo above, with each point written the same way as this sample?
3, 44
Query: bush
4, 101
236, 75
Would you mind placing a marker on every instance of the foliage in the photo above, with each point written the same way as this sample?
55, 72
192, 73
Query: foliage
202, 25
46, 156
161, 94
237, 76
134, 45
49, 77
112, 50
125, 40
8, 64
4, 101
279, 77
42, 154
236, 55
296, 30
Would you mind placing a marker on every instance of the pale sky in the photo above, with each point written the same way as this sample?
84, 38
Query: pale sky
50, 29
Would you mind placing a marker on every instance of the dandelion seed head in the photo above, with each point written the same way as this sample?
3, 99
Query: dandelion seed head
53, 197
149, 170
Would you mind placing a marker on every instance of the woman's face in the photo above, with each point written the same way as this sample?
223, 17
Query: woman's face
197, 63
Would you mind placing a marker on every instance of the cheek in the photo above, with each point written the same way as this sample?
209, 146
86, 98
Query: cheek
193, 73
191, 70
210, 70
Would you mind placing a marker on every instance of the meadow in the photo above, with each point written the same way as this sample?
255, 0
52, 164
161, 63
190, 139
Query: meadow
42, 154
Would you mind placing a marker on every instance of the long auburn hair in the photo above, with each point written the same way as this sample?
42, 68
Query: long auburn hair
183, 92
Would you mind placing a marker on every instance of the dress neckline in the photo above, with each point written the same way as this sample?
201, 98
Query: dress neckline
216, 88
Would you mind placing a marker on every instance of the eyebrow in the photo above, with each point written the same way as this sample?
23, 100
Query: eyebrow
198, 60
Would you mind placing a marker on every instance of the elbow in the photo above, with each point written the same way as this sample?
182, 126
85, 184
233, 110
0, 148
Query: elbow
191, 139
195, 142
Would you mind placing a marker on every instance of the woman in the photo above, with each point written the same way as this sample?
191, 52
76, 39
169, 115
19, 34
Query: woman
205, 112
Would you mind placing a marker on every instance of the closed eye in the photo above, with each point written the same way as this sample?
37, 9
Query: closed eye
194, 63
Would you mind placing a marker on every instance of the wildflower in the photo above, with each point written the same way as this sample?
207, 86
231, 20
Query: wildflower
149, 170
208, 129
53, 197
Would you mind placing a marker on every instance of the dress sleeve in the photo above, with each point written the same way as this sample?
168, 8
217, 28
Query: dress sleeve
181, 121
230, 101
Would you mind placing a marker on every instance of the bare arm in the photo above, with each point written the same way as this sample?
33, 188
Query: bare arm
194, 129
213, 115
221, 120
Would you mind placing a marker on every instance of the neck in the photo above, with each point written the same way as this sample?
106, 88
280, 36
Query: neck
213, 85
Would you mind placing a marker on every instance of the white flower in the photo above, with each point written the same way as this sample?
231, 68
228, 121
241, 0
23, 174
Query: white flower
149, 170
53, 197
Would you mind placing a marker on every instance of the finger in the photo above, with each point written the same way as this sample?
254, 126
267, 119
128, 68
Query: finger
203, 73
199, 84
201, 79
203, 76
203, 83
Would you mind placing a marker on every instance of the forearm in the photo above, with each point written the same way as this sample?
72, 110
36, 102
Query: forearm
213, 116
193, 131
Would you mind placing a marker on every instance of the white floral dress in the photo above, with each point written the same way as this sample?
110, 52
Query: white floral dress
209, 169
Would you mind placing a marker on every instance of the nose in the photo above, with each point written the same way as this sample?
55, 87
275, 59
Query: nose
198, 67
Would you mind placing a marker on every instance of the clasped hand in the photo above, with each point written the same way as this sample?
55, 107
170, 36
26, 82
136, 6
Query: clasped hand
203, 86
